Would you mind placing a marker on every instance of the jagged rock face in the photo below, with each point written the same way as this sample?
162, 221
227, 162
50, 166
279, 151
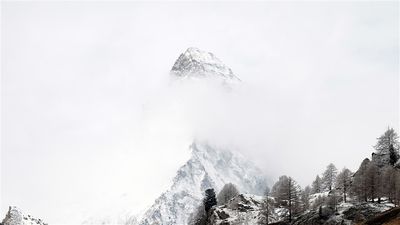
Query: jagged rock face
208, 167
242, 209
197, 63
15, 216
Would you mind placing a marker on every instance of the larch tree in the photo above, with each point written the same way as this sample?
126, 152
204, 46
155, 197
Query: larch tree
287, 195
267, 207
305, 198
389, 183
329, 176
373, 184
359, 185
317, 185
389, 138
343, 182
397, 188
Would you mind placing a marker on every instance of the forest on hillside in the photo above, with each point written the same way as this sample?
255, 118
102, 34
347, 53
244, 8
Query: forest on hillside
336, 196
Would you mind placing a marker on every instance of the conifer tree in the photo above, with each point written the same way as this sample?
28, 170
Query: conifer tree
317, 185
393, 156
343, 182
329, 176
209, 200
287, 195
372, 177
389, 138
359, 185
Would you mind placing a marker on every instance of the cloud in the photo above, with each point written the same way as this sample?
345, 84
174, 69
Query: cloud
89, 112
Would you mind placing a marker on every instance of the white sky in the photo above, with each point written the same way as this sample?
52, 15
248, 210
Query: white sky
88, 112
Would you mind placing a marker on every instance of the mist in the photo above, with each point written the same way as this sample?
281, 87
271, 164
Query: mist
90, 112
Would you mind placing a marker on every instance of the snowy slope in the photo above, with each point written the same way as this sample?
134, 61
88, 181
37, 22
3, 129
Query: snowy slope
15, 216
121, 216
242, 209
197, 63
208, 167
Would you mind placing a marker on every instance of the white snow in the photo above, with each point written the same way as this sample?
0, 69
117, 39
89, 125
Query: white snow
208, 167
197, 63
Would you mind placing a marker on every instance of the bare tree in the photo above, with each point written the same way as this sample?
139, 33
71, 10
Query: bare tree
305, 198
359, 185
317, 185
267, 207
343, 182
389, 183
397, 188
329, 176
387, 139
372, 177
387, 149
286, 192
227, 193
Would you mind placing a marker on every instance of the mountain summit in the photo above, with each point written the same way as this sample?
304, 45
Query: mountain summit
15, 216
197, 63
208, 167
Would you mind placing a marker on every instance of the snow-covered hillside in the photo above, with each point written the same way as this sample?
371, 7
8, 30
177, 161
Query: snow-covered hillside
15, 216
208, 167
242, 209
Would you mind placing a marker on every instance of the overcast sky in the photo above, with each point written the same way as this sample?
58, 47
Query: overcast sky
89, 115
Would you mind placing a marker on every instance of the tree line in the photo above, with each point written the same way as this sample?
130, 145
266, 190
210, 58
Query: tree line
375, 180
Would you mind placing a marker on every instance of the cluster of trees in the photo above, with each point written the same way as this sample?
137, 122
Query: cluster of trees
335, 184
201, 215
287, 194
380, 178
375, 180
372, 183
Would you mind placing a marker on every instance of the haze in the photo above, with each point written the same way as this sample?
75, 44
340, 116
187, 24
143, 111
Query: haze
90, 115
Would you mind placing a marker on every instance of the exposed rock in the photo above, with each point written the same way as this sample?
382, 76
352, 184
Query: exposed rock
391, 216
242, 209
364, 211
15, 216
208, 167
197, 63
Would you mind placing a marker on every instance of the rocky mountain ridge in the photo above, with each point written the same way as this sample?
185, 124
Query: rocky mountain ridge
208, 167
198, 63
15, 216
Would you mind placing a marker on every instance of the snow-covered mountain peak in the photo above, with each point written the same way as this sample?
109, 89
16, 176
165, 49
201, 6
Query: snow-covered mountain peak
15, 216
208, 167
197, 63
